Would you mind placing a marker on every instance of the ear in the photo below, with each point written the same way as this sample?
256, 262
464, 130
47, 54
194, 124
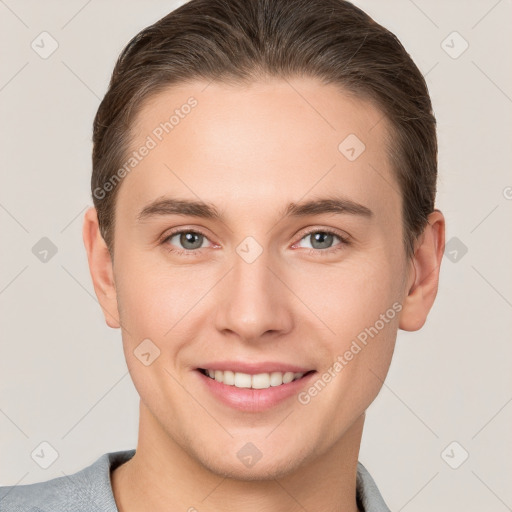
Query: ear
424, 274
100, 266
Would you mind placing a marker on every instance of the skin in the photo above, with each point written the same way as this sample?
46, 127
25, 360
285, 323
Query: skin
251, 150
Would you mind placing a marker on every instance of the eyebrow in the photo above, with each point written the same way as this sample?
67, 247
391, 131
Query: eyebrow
174, 206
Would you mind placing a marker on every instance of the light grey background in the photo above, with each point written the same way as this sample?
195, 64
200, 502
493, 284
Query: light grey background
63, 375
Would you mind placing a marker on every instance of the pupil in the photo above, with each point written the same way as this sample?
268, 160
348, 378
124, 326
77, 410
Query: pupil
323, 238
187, 238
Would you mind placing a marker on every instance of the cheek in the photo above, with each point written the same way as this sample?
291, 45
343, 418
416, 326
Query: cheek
153, 303
360, 302
364, 318
155, 297
350, 296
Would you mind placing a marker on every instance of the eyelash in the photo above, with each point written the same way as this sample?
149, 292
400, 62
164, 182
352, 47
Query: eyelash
314, 252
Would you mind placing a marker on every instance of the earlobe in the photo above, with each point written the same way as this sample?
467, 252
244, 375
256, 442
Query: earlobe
423, 284
100, 267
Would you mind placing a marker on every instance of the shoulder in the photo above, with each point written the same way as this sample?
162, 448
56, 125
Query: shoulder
88, 490
368, 495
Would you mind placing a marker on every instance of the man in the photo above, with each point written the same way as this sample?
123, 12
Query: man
264, 176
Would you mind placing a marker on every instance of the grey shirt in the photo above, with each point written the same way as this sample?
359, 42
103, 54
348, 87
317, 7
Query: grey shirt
90, 490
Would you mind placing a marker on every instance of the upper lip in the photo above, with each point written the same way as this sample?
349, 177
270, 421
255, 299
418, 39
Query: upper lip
253, 368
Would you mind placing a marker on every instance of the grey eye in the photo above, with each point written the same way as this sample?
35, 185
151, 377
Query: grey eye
320, 239
189, 240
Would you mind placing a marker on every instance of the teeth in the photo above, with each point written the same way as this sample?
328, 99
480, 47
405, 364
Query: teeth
258, 381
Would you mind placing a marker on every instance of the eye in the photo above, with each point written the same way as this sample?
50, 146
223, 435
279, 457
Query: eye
321, 241
189, 240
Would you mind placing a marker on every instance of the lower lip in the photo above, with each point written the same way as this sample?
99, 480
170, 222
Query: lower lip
254, 400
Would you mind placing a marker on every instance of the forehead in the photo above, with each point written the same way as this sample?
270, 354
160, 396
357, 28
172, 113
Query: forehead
257, 142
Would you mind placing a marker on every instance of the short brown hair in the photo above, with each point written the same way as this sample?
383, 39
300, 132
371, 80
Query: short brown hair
241, 40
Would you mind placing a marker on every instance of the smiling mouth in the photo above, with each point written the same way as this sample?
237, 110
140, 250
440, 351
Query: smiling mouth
253, 381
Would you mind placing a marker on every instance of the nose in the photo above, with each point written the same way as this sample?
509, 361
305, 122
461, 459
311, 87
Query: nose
253, 302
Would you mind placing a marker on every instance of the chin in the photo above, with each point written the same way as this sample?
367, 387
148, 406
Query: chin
261, 471
245, 462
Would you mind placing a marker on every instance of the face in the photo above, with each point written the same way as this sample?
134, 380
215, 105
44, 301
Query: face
293, 265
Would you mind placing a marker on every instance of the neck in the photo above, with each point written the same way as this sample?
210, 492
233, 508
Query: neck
161, 476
